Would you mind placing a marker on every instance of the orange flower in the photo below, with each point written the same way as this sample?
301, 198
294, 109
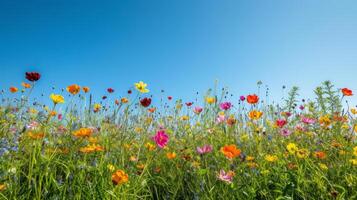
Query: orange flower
91, 148
36, 136
25, 85
151, 110
171, 155
231, 121
230, 151
83, 132
85, 89
73, 89
13, 89
120, 177
346, 92
252, 99
320, 154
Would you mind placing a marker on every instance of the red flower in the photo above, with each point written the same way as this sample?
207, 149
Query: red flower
252, 99
129, 91
189, 104
281, 123
169, 98
33, 76
145, 102
110, 90
346, 92
104, 97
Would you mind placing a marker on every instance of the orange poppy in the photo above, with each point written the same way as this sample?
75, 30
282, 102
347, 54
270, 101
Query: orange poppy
151, 110
230, 151
13, 89
252, 99
346, 92
73, 89
85, 89
25, 85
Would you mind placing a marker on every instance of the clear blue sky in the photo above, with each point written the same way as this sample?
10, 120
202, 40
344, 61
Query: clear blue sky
181, 46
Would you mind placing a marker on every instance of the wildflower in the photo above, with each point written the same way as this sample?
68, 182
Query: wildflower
120, 177
141, 87
302, 153
150, 146
25, 85
230, 151
354, 161
171, 155
354, 111
255, 115
323, 166
110, 90
346, 92
281, 123
320, 154
169, 98
210, 100
145, 102
325, 120
188, 104
2, 187
225, 105
242, 98
111, 167
285, 132
252, 99
91, 148
185, 118
36, 136
204, 150
133, 158
104, 97
73, 89
220, 118
231, 121
85, 89
161, 138
197, 110
151, 110
226, 176
13, 89
271, 158
292, 148
355, 150
307, 120
32, 76
124, 100
56, 98
83, 132
97, 107
249, 158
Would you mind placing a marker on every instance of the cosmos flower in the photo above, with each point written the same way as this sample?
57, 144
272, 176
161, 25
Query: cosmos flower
33, 76
302, 153
73, 89
141, 87
292, 148
119, 177
83, 132
161, 138
205, 149
230, 151
225, 105
56, 98
255, 115
307, 120
285, 132
252, 99
226, 176
145, 102
346, 92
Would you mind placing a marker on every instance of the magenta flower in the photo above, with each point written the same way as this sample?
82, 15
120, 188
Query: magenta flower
225, 105
197, 110
285, 132
242, 98
205, 149
226, 176
220, 119
308, 120
161, 138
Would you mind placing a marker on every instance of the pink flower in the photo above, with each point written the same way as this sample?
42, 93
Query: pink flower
308, 120
197, 110
60, 116
161, 138
220, 119
225, 105
285, 132
242, 98
301, 107
226, 176
205, 149
32, 126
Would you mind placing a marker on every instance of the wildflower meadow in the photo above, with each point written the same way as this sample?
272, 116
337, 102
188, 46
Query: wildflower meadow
135, 145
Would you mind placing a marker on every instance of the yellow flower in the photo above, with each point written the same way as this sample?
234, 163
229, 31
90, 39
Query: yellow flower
302, 153
124, 100
325, 120
150, 146
56, 98
171, 155
323, 166
210, 100
141, 87
185, 118
354, 111
271, 158
2, 187
250, 158
355, 151
353, 161
292, 148
255, 115
111, 167
97, 107
120, 177
73, 89
83, 132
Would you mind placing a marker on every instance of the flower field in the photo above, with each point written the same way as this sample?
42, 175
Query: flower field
132, 145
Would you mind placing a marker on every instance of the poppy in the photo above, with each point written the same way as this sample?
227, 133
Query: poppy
33, 76
252, 99
346, 92
73, 89
145, 102
13, 89
110, 90
230, 151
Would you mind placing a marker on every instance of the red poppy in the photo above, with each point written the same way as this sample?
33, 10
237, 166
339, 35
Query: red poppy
169, 98
189, 104
252, 99
145, 102
281, 123
33, 76
104, 97
110, 90
346, 92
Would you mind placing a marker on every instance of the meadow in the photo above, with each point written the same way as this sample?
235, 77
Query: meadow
139, 146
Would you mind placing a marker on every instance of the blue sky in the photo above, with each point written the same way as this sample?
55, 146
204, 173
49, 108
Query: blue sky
181, 46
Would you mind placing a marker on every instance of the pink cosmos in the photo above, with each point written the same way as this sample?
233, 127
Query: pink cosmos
197, 110
242, 98
225, 105
225, 176
205, 149
285, 132
32, 126
161, 138
308, 120
220, 118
